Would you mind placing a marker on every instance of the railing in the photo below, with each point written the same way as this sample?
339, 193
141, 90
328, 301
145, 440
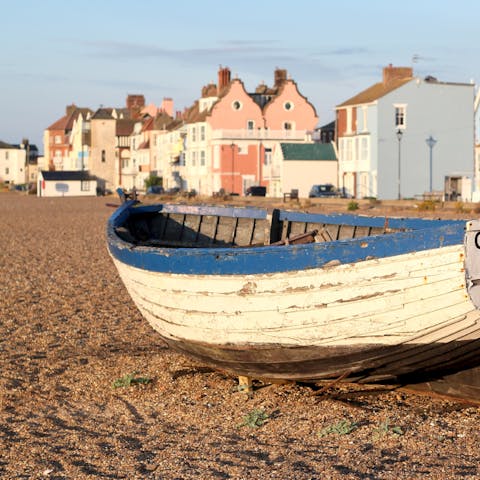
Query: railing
261, 134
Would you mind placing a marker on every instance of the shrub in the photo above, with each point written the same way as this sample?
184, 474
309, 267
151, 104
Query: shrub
153, 180
352, 205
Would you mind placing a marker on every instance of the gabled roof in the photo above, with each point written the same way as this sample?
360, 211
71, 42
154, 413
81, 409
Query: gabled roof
65, 175
60, 124
376, 91
66, 122
308, 151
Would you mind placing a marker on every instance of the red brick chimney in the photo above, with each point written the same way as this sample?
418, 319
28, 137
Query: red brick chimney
394, 73
280, 76
224, 77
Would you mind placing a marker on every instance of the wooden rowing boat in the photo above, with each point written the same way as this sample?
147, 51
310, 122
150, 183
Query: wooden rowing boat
298, 296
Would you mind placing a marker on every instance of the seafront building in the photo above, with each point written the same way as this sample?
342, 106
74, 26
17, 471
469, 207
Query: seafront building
226, 141
407, 136
402, 137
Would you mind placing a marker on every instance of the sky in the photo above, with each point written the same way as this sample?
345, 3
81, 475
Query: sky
94, 53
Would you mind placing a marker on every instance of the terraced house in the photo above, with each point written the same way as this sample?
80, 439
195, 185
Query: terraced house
406, 136
226, 141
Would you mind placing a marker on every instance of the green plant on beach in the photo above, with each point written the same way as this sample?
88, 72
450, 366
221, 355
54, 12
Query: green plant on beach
130, 379
352, 205
256, 418
384, 428
429, 205
343, 427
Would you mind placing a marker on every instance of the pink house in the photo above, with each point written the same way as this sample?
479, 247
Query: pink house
233, 135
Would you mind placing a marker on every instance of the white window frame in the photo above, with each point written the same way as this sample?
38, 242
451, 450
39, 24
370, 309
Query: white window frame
400, 115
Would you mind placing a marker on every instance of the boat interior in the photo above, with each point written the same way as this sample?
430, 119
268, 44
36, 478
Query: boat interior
204, 227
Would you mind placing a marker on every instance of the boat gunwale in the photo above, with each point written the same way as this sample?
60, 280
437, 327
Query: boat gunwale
274, 259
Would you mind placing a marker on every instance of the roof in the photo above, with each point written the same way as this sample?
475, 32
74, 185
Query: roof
376, 91
308, 151
66, 122
124, 127
65, 175
6, 145
60, 124
103, 114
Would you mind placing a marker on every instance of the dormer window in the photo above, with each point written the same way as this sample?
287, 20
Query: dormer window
237, 105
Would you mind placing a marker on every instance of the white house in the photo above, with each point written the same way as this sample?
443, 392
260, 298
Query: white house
78, 183
12, 164
307, 164
403, 136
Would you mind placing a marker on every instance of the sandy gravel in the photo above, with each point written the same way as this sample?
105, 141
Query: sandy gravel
68, 331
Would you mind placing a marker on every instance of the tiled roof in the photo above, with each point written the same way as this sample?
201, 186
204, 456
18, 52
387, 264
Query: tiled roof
147, 124
376, 91
144, 145
64, 175
308, 151
6, 145
193, 114
161, 121
75, 114
124, 127
60, 124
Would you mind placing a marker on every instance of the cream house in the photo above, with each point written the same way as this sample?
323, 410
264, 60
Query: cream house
305, 164
12, 164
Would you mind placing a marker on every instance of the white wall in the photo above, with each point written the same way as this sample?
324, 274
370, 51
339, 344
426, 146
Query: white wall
302, 174
57, 188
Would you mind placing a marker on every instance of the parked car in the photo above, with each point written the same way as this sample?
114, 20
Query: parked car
324, 190
257, 191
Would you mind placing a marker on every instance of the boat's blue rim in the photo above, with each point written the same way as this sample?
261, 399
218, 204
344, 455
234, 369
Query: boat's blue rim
425, 234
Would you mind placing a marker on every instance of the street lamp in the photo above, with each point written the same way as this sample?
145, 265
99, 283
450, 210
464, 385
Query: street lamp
431, 143
399, 137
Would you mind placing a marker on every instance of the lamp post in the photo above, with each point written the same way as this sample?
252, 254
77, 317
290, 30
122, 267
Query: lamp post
232, 146
431, 143
399, 137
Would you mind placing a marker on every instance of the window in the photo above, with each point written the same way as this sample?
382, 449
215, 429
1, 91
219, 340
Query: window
288, 106
58, 139
103, 156
364, 150
236, 105
194, 158
268, 156
85, 185
287, 126
400, 116
250, 125
202, 133
202, 158
7, 171
194, 134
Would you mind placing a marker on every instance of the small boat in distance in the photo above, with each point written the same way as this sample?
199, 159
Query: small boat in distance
274, 294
